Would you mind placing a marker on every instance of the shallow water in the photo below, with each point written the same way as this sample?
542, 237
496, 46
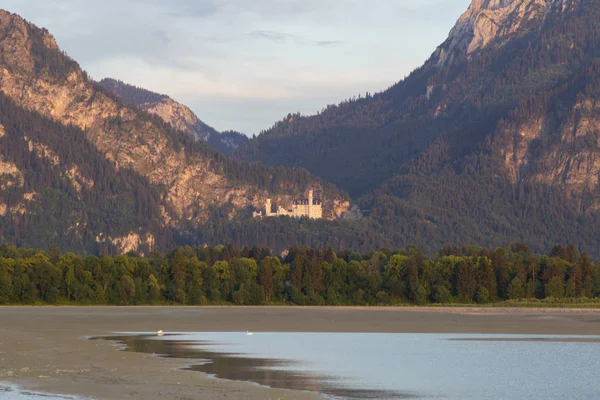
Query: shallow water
14, 392
393, 366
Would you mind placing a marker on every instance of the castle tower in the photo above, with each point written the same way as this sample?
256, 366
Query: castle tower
268, 210
310, 202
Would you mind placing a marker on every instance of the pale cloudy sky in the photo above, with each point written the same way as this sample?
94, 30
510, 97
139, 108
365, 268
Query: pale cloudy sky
244, 64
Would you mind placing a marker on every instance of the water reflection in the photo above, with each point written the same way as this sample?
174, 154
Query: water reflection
264, 371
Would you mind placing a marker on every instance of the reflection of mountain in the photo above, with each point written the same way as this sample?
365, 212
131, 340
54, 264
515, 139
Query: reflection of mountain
264, 371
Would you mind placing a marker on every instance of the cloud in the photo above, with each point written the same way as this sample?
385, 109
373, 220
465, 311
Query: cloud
190, 8
161, 36
271, 35
282, 37
329, 43
278, 9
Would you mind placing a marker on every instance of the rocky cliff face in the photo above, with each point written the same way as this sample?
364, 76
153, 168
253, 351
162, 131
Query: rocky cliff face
183, 119
541, 150
493, 21
180, 117
177, 115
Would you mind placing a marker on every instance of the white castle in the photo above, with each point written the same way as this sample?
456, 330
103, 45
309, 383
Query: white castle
310, 207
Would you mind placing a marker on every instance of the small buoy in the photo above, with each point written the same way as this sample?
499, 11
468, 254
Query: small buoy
160, 333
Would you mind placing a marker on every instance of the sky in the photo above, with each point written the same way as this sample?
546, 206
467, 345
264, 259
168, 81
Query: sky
245, 64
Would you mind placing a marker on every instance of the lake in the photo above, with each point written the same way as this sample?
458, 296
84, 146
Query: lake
392, 366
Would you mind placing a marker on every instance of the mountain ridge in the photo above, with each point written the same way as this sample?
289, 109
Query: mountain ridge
176, 114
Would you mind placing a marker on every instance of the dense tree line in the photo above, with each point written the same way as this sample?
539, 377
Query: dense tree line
301, 276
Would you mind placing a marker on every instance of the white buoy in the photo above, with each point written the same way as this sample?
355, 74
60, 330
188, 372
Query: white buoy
160, 333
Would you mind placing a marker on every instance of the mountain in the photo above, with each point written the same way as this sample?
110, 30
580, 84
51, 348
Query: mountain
81, 168
495, 139
492, 22
177, 115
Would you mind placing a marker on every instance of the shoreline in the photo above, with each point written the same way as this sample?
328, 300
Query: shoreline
47, 349
462, 309
16, 390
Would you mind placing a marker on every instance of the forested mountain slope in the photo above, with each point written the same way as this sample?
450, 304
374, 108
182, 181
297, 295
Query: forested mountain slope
77, 162
57, 188
495, 139
177, 115
472, 83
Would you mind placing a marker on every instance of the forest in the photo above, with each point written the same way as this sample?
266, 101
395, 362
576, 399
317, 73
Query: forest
224, 275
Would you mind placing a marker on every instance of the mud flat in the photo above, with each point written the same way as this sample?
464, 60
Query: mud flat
46, 348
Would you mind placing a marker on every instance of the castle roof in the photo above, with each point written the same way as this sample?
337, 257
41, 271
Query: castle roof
304, 201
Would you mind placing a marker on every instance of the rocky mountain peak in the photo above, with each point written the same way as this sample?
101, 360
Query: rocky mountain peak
493, 21
15, 28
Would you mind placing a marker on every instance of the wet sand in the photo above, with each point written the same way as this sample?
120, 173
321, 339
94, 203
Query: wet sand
46, 349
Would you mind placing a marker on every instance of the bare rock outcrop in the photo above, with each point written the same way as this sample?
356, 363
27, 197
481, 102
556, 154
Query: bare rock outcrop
179, 116
10, 175
540, 151
492, 21
175, 114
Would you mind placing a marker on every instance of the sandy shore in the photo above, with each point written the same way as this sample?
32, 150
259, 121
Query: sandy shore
45, 348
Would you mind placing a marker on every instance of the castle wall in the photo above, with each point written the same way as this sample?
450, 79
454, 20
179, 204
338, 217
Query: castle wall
302, 208
316, 211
